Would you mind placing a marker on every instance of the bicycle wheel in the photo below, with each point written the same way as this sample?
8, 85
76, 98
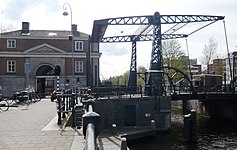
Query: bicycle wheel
4, 106
28, 102
11, 101
25, 104
38, 98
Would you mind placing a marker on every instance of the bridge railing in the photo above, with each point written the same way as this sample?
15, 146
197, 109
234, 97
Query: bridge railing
91, 122
118, 91
178, 89
215, 89
170, 90
65, 104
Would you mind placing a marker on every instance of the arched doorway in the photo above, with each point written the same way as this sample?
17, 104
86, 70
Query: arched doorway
45, 80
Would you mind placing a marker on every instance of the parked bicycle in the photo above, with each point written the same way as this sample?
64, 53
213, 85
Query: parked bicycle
4, 105
26, 96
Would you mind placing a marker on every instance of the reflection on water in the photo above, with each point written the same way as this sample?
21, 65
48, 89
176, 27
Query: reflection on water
211, 134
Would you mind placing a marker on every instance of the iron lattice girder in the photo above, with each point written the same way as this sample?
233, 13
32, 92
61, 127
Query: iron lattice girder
164, 19
133, 66
169, 19
100, 26
175, 28
134, 20
147, 37
132, 81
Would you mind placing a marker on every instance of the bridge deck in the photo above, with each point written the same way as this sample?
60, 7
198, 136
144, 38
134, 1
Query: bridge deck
204, 96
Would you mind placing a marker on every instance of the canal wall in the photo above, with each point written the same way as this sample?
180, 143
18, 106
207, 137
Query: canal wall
135, 112
191, 104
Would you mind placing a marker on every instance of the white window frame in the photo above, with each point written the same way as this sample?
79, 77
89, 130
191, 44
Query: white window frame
79, 66
11, 43
11, 66
78, 46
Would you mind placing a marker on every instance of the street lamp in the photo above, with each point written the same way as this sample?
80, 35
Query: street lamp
65, 13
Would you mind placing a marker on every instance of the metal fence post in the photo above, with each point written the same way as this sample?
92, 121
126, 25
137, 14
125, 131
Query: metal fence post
64, 106
73, 109
59, 110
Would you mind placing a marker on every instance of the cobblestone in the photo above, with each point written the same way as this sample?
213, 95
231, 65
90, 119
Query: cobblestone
21, 128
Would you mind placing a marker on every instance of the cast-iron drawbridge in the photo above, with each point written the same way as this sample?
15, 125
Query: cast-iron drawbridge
149, 29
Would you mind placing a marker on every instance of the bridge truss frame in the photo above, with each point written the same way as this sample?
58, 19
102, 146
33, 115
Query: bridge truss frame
155, 79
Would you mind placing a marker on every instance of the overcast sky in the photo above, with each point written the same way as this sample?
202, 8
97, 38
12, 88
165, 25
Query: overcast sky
47, 14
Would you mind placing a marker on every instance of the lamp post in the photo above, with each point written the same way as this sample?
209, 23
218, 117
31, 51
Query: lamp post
65, 13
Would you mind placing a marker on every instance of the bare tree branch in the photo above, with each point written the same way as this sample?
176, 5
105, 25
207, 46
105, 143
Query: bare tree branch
6, 27
209, 52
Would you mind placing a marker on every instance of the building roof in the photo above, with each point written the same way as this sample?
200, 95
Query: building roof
43, 34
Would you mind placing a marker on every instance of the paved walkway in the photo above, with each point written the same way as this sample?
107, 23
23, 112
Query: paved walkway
31, 129
35, 128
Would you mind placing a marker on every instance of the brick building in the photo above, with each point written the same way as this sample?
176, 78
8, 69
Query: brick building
28, 58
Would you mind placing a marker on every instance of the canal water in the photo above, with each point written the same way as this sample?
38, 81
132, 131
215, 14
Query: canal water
211, 135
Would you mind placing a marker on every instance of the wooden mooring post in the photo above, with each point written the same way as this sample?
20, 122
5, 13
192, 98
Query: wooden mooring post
190, 126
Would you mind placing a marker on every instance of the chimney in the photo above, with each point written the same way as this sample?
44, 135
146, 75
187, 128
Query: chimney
74, 28
25, 27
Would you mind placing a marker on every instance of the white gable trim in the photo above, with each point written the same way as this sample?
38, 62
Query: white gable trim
42, 46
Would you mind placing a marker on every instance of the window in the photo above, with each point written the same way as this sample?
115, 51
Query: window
78, 45
79, 66
11, 43
11, 66
95, 49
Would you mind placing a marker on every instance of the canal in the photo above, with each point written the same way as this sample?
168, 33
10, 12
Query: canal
211, 135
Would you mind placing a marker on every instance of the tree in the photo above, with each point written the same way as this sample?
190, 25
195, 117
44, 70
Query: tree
120, 80
219, 69
141, 76
209, 52
174, 56
123, 79
6, 27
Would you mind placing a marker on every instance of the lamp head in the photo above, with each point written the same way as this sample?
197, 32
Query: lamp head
65, 13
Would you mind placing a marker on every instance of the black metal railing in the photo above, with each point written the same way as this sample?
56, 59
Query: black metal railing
91, 122
118, 91
65, 104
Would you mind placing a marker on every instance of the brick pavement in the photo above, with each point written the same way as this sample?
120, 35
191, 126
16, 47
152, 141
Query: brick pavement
22, 129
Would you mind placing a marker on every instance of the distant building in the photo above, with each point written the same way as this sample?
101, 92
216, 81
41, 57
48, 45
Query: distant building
230, 69
193, 61
196, 69
234, 60
216, 67
28, 58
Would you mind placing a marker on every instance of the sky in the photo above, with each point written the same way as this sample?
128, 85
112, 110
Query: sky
115, 58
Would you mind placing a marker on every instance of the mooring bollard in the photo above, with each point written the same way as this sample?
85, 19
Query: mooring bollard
187, 128
123, 143
153, 124
190, 126
114, 129
193, 119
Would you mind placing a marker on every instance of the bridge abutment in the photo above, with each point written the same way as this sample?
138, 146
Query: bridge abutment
135, 112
